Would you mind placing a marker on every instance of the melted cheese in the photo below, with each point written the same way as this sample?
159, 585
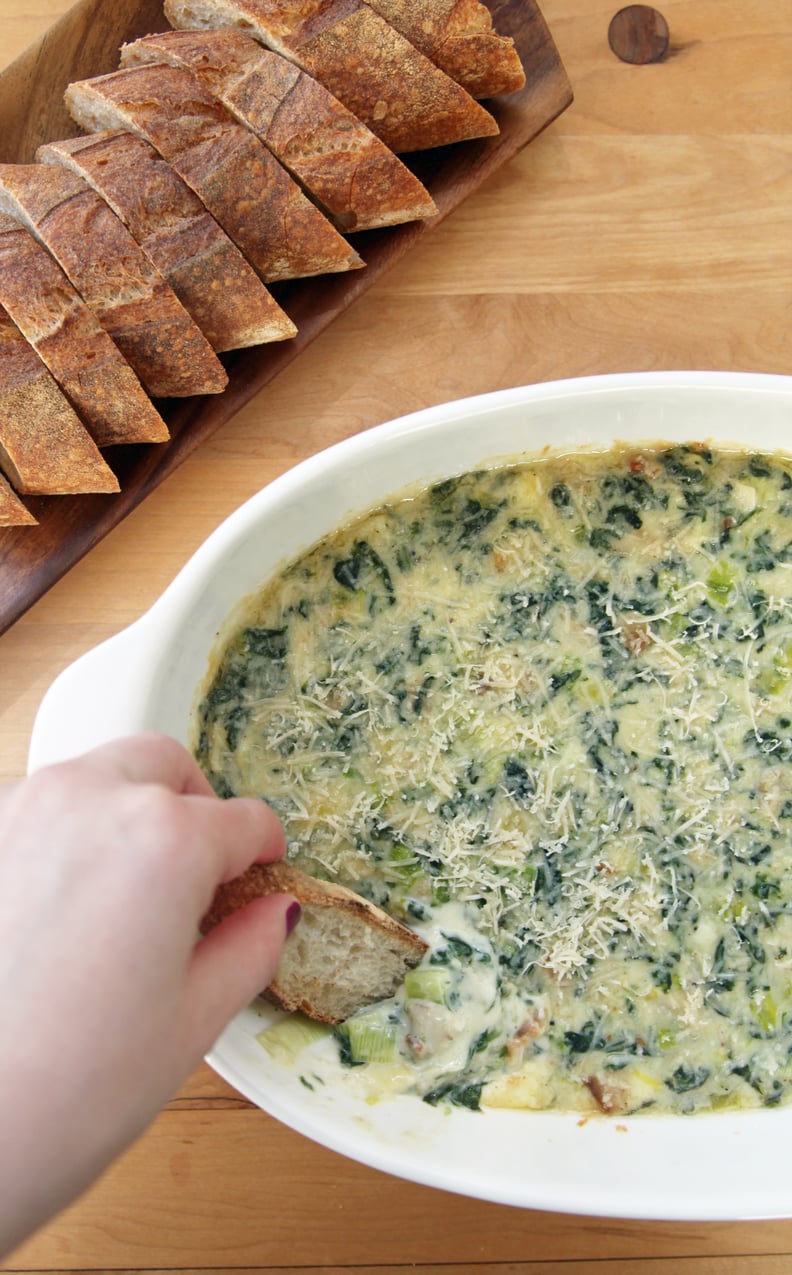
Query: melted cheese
555, 698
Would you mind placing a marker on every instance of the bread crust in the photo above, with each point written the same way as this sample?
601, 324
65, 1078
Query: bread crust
12, 512
311, 978
282, 234
354, 177
458, 36
383, 79
398, 93
79, 353
206, 270
270, 21
126, 292
44, 447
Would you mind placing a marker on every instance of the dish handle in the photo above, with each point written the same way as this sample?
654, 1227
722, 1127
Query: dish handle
93, 700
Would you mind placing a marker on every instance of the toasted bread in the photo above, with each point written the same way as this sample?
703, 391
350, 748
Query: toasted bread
351, 174
206, 270
398, 93
126, 292
282, 234
70, 340
344, 953
44, 448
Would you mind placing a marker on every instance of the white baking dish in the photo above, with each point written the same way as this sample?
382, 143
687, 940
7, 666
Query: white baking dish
721, 1166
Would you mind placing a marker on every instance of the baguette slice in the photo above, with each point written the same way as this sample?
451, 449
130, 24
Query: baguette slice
408, 102
270, 21
70, 340
344, 954
458, 36
402, 96
283, 235
349, 172
206, 270
12, 512
44, 447
126, 292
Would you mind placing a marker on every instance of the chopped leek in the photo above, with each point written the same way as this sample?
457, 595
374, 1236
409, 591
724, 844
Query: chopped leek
290, 1037
428, 985
372, 1037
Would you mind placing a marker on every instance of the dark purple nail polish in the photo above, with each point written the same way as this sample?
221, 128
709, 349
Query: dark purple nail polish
293, 914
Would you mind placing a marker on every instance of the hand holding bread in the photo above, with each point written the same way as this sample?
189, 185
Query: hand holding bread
344, 954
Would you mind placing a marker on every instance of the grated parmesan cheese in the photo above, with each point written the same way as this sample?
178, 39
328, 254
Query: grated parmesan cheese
555, 698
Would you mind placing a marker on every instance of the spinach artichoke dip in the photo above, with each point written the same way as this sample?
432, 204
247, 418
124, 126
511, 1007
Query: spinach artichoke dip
543, 714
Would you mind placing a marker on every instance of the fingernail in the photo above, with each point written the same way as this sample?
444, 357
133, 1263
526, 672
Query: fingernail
293, 914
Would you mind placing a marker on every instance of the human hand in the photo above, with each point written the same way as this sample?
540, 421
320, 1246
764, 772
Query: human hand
108, 1000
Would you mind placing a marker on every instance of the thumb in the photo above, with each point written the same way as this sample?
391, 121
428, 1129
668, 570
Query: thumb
235, 962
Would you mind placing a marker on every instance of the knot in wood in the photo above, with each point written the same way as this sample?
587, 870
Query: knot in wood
638, 34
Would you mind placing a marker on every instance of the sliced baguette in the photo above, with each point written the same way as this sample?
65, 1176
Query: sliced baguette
126, 292
458, 36
401, 96
344, 953
206, 270
44, 447
283, 235
271, 22
12, 512
351, 174
70, 340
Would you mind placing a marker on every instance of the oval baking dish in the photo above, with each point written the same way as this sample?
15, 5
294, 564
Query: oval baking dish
726, 1165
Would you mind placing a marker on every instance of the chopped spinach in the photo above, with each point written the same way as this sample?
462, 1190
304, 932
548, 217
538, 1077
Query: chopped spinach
686, 1078
457, 1093
365, 570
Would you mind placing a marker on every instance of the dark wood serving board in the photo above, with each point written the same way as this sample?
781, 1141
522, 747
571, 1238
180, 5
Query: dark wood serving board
85, 42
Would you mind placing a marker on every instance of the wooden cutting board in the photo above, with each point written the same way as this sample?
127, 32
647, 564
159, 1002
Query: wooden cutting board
85, 42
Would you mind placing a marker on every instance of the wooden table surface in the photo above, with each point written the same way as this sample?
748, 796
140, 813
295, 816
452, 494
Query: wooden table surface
649, 227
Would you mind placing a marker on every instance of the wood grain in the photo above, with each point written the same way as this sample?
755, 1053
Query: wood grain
200, 1212
81, 43
648, 227
764, 1264
85, 41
